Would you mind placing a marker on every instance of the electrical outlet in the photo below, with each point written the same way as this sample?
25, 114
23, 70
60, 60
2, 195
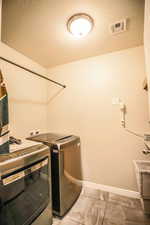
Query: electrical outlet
32, 133
37, 132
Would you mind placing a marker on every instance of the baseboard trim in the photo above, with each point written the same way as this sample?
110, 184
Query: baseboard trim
115, 190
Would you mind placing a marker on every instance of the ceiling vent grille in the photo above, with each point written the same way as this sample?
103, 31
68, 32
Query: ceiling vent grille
118, 27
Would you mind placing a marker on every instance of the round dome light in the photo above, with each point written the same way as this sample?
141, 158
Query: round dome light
79, 25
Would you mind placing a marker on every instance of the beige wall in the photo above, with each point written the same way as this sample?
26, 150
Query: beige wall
0, 16
147, 43
85, 108
27, 93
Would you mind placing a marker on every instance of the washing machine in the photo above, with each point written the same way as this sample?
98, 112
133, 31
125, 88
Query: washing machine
66, 169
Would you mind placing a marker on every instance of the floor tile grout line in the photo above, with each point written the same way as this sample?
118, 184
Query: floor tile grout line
71, 218
108, 199
104, 212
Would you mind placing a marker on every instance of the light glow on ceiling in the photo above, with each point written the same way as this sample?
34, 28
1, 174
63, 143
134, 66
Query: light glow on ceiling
79, 25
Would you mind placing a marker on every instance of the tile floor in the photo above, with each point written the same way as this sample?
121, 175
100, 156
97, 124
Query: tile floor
95, 207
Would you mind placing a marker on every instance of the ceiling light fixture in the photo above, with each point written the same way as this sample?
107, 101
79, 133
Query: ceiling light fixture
79, 25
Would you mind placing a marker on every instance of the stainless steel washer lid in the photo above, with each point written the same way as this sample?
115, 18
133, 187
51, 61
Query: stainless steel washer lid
66, 141
57, 140
46, 138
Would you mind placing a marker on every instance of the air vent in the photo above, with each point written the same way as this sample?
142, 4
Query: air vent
118, 27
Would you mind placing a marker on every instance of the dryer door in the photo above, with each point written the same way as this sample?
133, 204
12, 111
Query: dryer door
24, 194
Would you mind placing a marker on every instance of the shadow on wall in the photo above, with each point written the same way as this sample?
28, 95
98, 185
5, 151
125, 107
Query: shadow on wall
55, 93
27, 101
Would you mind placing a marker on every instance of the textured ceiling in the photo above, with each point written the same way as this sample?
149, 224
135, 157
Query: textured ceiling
37, 28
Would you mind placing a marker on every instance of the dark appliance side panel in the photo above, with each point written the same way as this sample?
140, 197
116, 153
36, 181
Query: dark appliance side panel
55, 180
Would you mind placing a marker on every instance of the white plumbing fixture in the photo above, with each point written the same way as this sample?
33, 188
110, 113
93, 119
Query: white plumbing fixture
123, 110
118, 101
